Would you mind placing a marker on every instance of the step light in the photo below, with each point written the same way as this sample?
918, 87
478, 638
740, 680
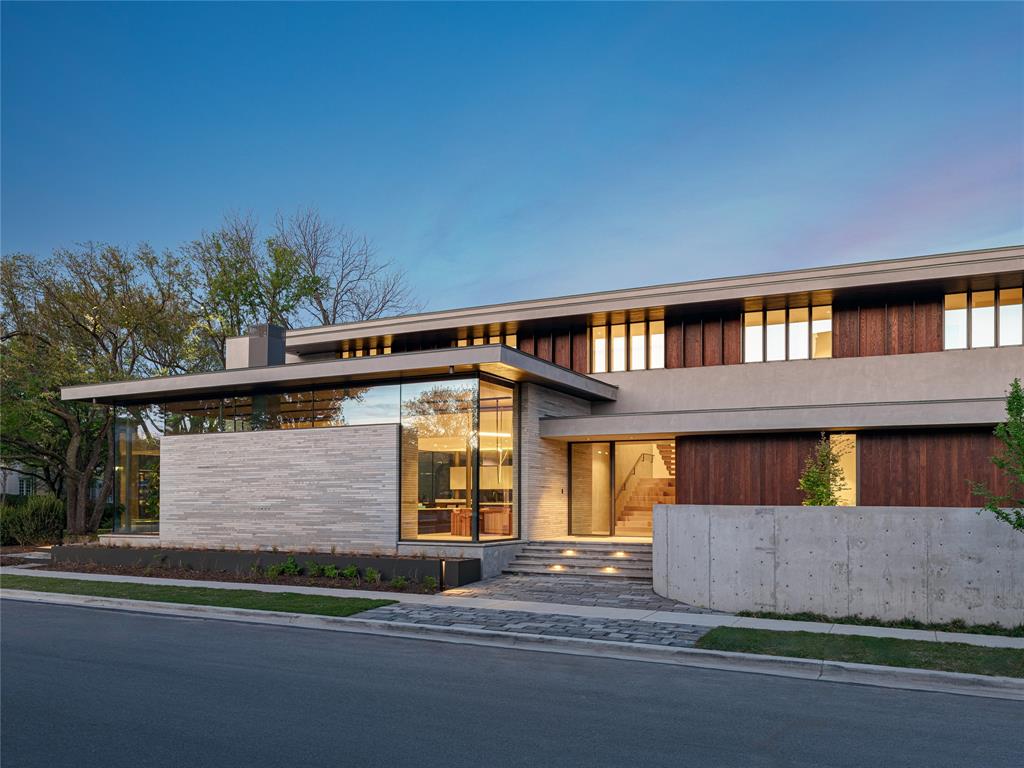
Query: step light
610, 569
569, 552
557, 567
618, 554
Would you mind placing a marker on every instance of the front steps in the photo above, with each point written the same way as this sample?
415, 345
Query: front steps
610, 559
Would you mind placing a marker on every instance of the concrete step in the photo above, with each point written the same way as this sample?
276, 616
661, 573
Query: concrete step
643, 561
630, 550
572, 570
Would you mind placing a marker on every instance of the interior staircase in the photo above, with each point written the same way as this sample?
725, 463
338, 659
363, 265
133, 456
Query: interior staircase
634, 516
609, 559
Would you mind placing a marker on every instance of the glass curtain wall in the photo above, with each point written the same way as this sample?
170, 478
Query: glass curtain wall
137, 436
458, 448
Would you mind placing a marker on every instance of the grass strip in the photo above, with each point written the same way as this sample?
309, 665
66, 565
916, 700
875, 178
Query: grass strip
873, 621
288, 602
886, 651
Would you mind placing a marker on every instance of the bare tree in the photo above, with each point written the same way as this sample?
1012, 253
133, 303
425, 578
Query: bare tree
351, 282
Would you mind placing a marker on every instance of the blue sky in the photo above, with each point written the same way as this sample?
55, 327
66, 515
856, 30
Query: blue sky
514, 151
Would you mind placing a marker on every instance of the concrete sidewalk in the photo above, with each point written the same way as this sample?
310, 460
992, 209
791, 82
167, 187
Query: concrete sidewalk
441, 600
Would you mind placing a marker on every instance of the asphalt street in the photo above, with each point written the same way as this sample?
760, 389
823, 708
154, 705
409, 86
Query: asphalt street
89, 687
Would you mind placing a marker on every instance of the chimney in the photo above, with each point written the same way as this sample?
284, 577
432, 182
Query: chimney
262, 345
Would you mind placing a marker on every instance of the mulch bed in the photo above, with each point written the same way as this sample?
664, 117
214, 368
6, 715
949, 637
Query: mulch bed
240, 578
9, 560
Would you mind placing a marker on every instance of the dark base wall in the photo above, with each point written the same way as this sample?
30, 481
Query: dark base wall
911, 468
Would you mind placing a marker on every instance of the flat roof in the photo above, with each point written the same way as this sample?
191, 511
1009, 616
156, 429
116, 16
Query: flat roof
937, 267
494, 359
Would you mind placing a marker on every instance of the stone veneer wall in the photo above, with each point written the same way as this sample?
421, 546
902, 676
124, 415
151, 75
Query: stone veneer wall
544, 470
292, 489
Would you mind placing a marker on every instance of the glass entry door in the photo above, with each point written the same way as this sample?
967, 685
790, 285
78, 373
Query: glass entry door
615, 485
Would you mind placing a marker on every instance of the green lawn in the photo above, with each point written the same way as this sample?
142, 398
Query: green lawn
290, 602
921, 654
873, 621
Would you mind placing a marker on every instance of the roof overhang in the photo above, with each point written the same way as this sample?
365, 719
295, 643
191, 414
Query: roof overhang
494, 359
945, 269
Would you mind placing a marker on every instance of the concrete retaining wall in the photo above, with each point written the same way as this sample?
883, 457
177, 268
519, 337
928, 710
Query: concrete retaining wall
292, 489
927, 563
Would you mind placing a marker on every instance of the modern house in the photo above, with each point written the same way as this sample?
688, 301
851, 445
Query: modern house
471, 431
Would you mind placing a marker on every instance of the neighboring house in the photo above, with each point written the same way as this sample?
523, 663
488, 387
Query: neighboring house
469, 431
15, 483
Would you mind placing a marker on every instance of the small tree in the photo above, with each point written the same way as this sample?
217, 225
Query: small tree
1009, 506
822, 479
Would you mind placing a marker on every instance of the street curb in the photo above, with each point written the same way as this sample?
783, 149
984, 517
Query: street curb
806, 669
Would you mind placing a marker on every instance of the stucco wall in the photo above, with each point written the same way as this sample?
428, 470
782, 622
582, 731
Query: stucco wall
544, 472
931, 564
292, 489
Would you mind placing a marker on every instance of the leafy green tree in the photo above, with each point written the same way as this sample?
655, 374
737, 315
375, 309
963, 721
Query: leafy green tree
1009, 506
91, 314
822, 479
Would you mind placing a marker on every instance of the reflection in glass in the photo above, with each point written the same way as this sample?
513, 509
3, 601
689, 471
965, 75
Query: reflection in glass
590, 489
618, 348
983, 318
656, 332
821, 331
753, 337
599, 349
637, 346
775, 334
438, 445
955, 321
799, 333
1010, 319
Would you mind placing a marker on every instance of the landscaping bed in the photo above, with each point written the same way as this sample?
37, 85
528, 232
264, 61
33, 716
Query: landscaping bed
885, 651
287, 602
445, 572
873, 621
294, 572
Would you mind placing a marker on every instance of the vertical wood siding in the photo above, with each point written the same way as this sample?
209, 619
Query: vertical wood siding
895, 328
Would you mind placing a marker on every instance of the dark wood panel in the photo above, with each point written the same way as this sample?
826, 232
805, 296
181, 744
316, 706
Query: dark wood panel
741, 469
732, 341
928, 326
543, 346
526, 344
872, 331
926, 468
563, 350
692, 346
845, 331
673, 345
713, 342
580, 348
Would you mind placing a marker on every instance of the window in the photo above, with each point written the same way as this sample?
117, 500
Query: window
618, 349
753, 337
26, 485
955, 321
510, 340
983, 318
775, 335
845, 447
637, 346
656, 333
1011, 324
599, 349
979, 319
799, 338
787, 334
821, 331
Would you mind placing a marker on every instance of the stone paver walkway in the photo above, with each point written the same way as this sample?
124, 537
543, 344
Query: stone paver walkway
551, 624
574, 590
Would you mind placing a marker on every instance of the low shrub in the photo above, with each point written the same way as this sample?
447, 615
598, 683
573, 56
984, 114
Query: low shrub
288, 568
40, 520
350, 572
313, 568
429, 583
372, 575
329, 571
398, 582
